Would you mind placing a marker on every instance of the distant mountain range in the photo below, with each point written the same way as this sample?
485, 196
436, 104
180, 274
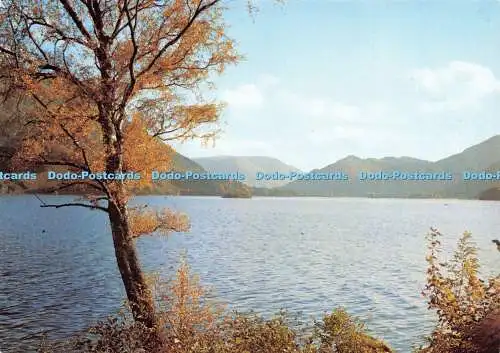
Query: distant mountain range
484, 156
181, 163
249, 166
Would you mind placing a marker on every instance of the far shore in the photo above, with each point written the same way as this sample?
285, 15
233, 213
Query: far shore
266, 196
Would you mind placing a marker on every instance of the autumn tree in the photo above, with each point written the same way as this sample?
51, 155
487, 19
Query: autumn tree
104, 83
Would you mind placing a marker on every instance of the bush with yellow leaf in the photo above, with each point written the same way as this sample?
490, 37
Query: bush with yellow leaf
468, 312
462, 301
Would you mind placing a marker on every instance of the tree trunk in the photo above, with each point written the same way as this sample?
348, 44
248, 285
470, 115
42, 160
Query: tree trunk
138, 294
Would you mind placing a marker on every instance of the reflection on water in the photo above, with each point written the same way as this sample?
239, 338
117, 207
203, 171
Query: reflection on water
58, 272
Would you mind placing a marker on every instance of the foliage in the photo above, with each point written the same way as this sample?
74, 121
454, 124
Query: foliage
149, 221
467, 308
190, 323
339, 332
101, 84
236, 190
460, 298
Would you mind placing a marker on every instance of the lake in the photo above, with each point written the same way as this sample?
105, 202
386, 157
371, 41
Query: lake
58, 273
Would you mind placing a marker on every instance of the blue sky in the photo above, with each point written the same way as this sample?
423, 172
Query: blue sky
326, 79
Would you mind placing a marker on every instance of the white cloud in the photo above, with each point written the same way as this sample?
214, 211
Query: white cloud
288, 119
321, 109
250, 95
244, 96
267, 116
456, 86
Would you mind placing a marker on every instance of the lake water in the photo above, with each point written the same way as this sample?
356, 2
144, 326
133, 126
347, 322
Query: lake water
58, 273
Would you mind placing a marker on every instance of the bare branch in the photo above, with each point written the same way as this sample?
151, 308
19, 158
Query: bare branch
64, 163
76, 19
77, 144
117, 28
33, 40
7, 51
77, 204
199, 10
130, 86
60, 32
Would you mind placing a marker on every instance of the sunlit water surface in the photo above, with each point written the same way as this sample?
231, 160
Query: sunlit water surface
58, 273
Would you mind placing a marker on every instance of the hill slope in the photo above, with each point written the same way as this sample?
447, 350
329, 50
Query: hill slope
181, 163
249, 166
352, 166
477, 157
484, 156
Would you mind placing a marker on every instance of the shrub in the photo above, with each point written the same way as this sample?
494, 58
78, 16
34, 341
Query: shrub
460, 298
189, 323
468, 312
339, 332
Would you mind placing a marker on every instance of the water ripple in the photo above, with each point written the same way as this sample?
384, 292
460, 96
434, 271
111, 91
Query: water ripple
303, 255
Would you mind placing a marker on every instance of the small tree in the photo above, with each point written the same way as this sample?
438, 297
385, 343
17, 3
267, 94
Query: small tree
339, 332
103, 82
463, 302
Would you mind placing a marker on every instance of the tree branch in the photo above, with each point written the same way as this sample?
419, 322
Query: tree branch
7, 51
179, 35
64, 163
117, 29
77, 144
77, 204
33, 40
74, 16
103, 185
130, 86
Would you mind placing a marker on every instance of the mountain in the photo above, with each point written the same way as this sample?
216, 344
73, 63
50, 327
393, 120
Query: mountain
472, 189
250, 166
181, 163
477, 157
484, 156
492, 194
352, 166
